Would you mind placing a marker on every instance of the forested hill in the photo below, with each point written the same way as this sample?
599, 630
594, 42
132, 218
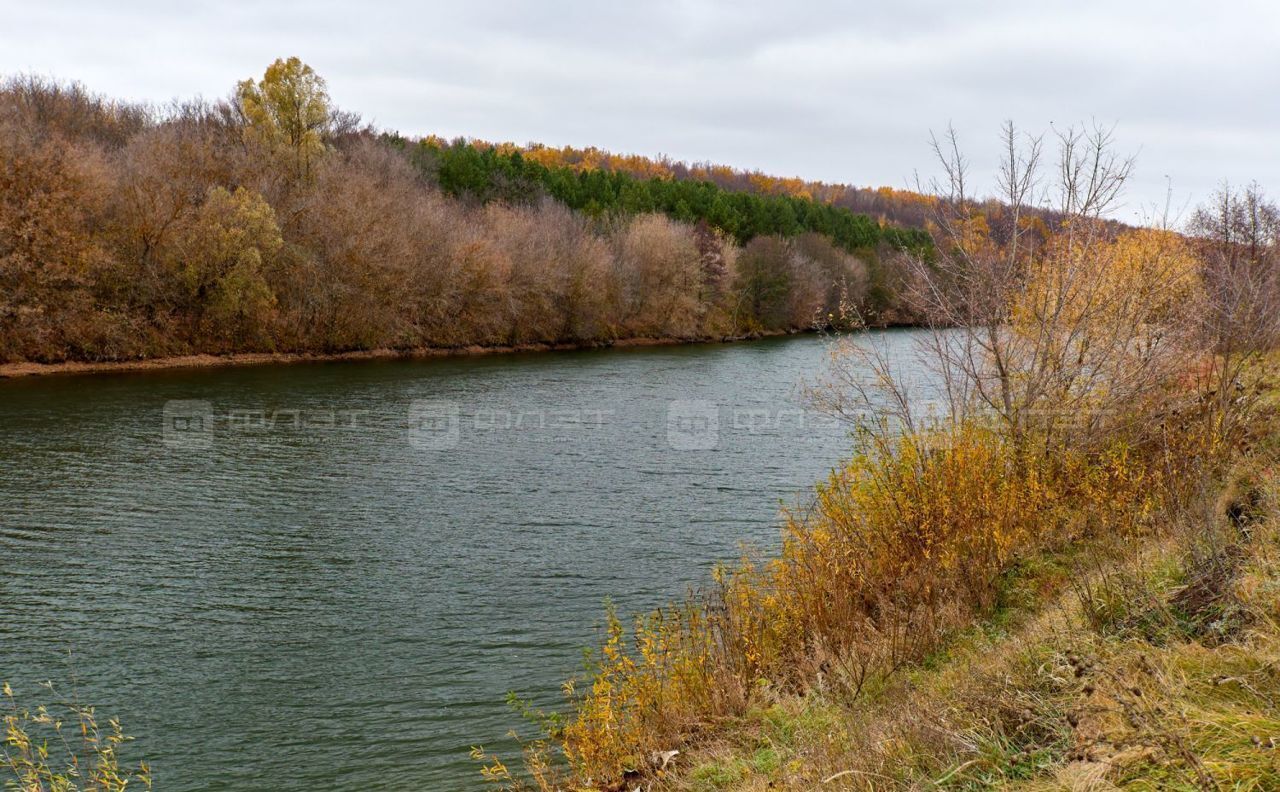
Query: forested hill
273, 222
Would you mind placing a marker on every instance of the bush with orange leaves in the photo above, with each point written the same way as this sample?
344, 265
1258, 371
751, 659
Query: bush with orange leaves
905, 544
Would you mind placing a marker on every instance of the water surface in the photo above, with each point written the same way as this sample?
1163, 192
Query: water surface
328, 575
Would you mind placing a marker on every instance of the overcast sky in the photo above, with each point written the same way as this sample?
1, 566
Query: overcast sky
841, 92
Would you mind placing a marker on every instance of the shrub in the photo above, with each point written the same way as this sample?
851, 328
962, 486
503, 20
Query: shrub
63, 748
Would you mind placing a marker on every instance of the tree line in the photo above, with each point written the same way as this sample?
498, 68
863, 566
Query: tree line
490, 172
272, 221
887, 205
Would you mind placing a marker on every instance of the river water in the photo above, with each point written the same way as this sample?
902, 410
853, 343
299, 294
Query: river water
328, 576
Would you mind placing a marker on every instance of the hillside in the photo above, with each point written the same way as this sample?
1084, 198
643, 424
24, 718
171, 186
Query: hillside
274, 223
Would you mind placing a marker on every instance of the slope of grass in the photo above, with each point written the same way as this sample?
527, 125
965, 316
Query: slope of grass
1115, 667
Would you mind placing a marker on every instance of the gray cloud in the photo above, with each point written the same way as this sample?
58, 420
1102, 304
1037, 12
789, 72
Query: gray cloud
832, 91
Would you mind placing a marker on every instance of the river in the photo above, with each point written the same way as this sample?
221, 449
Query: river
322, 576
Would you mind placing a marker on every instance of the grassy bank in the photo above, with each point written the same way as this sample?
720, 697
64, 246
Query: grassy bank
1127, 638
1114, 665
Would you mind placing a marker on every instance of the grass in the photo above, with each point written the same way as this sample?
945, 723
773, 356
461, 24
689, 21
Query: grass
1157, 670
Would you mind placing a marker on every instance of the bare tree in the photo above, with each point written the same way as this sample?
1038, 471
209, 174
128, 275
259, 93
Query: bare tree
1237, 236
1042, 327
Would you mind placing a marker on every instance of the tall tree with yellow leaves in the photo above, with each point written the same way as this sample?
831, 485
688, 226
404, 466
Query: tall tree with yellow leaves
287, 110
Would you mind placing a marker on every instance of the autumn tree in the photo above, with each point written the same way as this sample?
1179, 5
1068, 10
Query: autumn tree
51, 201
363, 246
287, 110
555, 287
1238, 237
762, 283
1039, 334
659, 272
68, 110
220, 258
711, 257
830, 284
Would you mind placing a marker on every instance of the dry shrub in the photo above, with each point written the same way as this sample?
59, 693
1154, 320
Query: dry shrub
1237, 238
797, 284
659, 273
161, 174
651, 694
906, 543
555, 284
357, 254
70, 112
912, 532
836, 283
51, 201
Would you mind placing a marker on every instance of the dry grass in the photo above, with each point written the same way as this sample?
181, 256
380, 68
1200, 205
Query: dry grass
1162, 673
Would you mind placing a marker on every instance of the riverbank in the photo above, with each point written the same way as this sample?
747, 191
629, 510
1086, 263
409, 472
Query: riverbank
1115, 660
1155, 670
71, 367
1007, 618
384, 243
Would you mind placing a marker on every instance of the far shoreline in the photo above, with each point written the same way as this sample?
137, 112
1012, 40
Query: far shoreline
27, 369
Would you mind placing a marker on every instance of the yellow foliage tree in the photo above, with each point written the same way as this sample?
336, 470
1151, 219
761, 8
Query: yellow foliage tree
287, 110
221, 259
